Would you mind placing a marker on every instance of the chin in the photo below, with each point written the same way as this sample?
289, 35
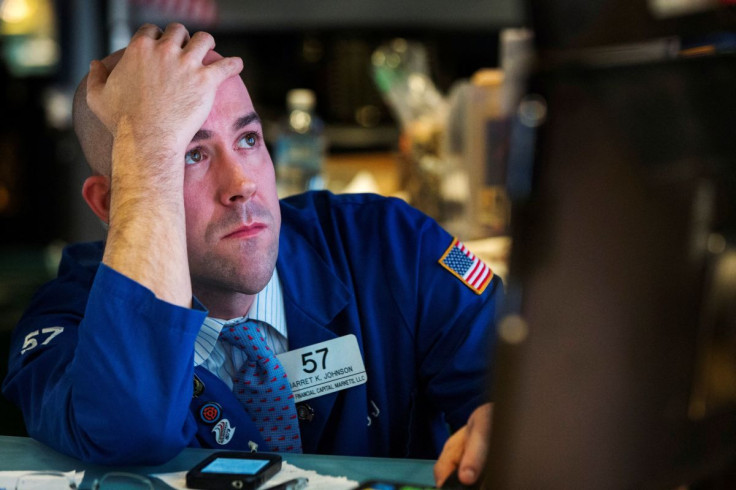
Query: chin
237, 276
252, 284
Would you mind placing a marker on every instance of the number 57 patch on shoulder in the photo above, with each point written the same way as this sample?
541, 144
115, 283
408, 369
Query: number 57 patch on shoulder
462, 264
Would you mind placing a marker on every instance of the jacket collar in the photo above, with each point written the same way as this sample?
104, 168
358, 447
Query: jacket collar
313, 294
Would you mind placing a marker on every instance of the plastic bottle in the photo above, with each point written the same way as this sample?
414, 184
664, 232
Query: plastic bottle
300, 145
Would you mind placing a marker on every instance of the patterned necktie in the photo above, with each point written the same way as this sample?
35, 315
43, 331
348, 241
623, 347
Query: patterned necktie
262, 387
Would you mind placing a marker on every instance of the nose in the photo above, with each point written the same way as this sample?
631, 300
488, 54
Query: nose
235, 184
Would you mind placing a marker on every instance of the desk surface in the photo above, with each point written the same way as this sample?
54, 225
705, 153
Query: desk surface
22, 453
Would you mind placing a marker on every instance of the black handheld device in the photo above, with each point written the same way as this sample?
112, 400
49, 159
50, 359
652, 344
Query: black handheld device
233, 470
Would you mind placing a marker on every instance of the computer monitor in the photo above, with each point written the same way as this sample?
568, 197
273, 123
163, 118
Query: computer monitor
617, 355
564, 25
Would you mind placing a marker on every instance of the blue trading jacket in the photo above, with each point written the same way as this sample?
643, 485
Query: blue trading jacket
103, 370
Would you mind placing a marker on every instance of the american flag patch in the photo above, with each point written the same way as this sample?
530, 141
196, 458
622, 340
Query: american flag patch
467, 267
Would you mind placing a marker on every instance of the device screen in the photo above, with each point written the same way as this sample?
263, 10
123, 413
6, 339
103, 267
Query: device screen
235, 466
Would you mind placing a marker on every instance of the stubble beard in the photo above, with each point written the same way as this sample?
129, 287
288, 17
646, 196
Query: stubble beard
247, 273
244, 268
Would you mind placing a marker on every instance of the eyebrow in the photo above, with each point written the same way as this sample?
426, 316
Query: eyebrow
246, 120
204, 134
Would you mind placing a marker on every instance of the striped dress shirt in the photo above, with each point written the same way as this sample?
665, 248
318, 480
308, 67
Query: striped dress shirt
223, 359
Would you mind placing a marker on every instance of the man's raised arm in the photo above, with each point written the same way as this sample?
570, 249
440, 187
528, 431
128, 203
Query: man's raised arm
153, 102
101, 368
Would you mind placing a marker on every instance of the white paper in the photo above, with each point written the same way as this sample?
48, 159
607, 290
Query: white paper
8, 478
288, 472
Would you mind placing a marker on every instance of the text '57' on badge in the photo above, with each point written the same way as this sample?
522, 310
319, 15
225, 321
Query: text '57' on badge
323, 368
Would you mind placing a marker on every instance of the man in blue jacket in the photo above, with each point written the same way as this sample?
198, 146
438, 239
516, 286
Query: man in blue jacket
374, 324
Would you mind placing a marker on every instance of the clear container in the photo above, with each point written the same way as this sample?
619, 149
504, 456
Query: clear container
300, 145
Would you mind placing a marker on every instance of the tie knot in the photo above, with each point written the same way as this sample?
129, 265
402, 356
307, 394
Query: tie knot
249, 336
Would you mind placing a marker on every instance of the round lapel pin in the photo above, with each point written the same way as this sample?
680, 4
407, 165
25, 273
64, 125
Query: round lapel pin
305, 412
210, 413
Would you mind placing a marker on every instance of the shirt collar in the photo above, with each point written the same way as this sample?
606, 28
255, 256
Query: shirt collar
267, 307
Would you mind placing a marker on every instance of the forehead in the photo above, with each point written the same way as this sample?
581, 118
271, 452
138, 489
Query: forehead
232, 101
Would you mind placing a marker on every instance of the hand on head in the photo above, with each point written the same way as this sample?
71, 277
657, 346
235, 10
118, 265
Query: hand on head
142, 108
161, 83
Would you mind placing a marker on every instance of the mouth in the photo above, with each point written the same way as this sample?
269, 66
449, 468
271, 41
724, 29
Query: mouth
246, 231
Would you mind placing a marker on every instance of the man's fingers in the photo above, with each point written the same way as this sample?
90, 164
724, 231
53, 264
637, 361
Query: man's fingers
476, 444
450, 456
200, 44
176, 33
148, 30
226, 68
96, 78
474, 456
466, 449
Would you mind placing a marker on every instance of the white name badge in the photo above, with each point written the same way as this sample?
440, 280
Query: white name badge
324, 368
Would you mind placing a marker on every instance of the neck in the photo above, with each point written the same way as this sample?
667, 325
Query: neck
225, 305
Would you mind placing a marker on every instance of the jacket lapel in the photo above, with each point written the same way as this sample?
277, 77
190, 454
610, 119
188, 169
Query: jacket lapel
232, 428
311, 307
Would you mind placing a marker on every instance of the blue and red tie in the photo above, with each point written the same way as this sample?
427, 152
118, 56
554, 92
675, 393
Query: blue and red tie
262, 387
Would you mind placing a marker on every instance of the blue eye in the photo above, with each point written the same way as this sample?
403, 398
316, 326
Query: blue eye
248, 140
194, 156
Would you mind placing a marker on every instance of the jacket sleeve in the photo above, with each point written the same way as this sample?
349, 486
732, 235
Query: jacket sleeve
103, 371
453, 326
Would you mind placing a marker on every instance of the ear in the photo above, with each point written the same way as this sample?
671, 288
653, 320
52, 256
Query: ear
96, 191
